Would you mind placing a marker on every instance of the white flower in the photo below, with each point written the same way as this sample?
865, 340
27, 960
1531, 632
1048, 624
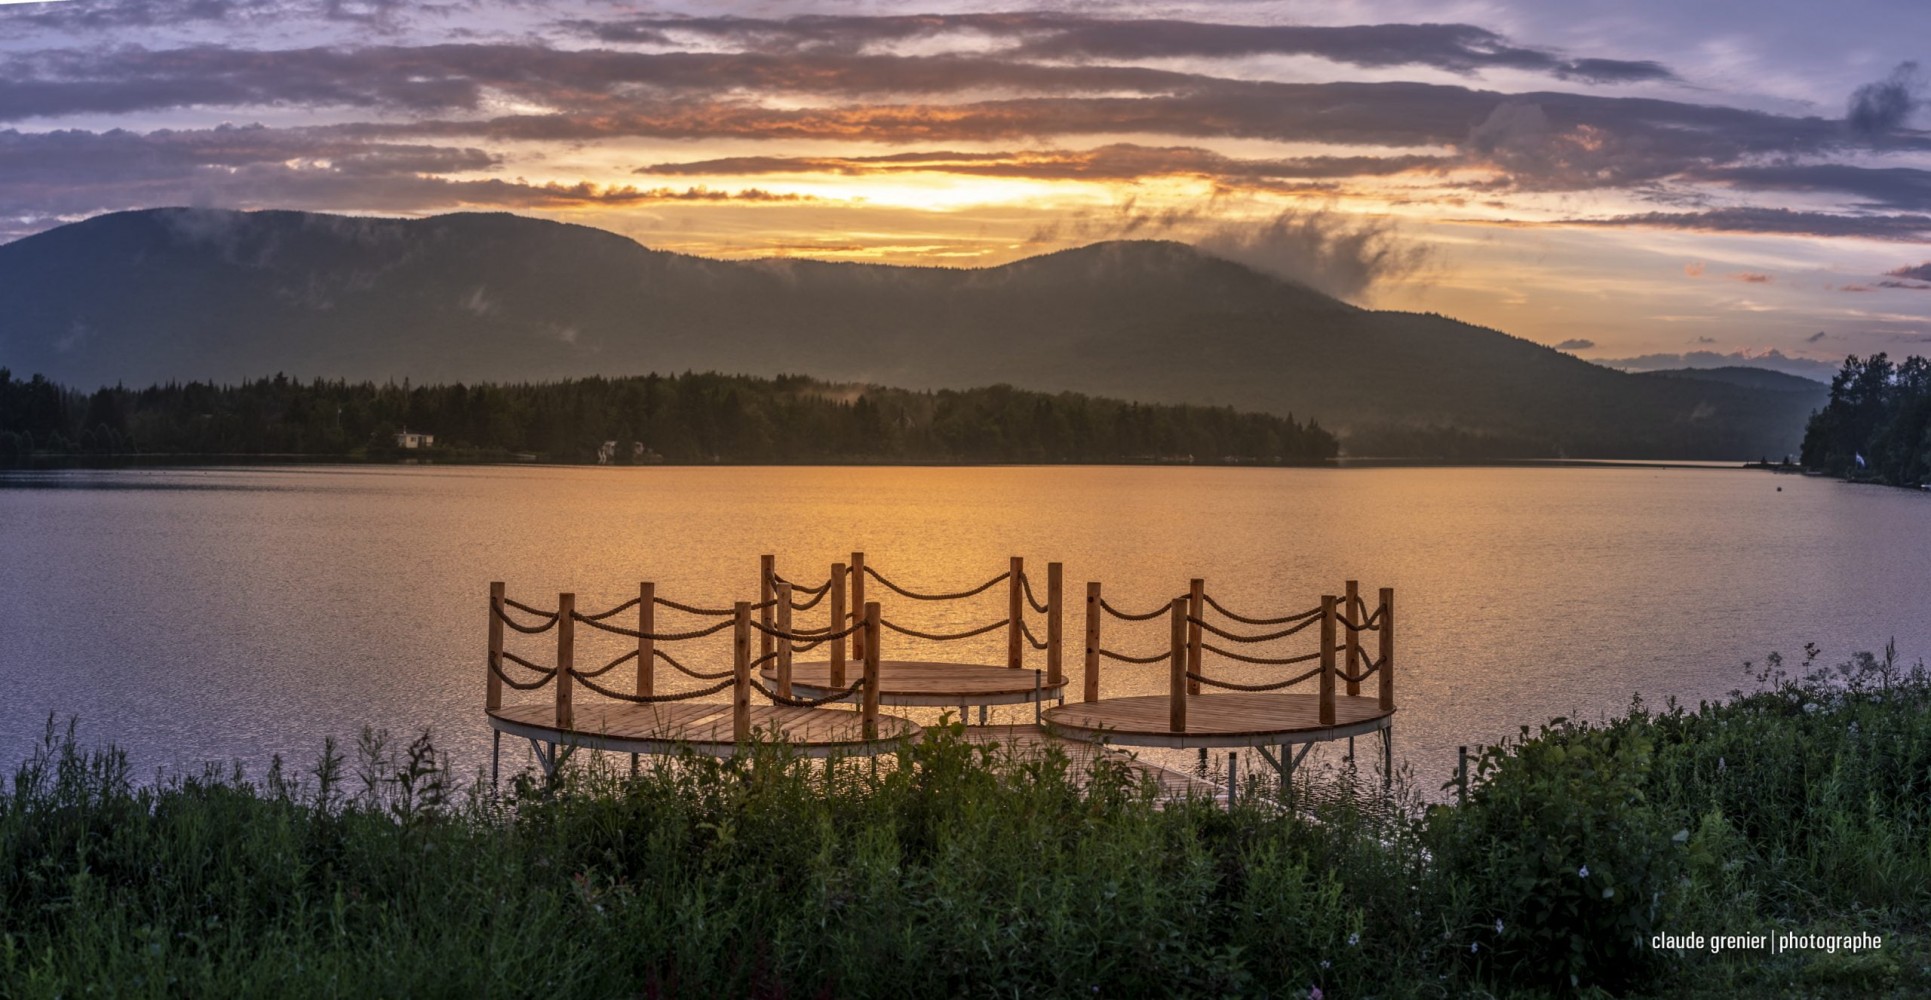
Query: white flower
1354, 939
1473, 947
1498, 925
1720, 765
1324, 963
1582, 872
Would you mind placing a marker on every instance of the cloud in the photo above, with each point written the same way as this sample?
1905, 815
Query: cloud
1706, 340
1330, 251
1878, 187
1782, 221
1815, 337
1575, 344
1913, 272
1880, 108
1751, 278
1457, 48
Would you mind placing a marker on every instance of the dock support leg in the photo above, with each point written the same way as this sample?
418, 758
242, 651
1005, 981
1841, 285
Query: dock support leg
633, 765
1388, 757
1350, 749
1233, 763
1461, 776
495, 757
965, 718
982, 715
1202, 766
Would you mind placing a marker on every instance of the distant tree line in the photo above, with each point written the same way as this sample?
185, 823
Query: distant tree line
689, 418
1878, 411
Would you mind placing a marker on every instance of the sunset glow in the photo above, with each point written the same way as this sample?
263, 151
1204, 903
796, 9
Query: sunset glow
1597, 176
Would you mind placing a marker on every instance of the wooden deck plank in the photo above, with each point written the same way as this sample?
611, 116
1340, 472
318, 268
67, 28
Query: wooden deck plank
928, 683
1238, 719
705, 726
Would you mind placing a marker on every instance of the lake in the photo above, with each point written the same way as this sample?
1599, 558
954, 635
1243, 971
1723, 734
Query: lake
218, 614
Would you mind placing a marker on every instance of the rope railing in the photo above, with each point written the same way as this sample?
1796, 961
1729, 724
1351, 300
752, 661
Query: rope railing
613, 612
945, 636
526, 609
608, 667
799, 588
1125, 616
914, 595
1232, 686
814, 636
1237, 637
502, 616
496, 668
1026, 585
1260, 660
691, 609
652, 699
653, 636
686, 671
814, 602
793, 702
1123, 658
1245, 620
1031, 639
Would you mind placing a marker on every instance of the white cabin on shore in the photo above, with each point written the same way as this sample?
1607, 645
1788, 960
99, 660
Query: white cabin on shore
411, 439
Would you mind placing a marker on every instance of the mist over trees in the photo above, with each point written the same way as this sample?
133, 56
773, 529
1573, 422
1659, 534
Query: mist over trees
1880, 411
689, 418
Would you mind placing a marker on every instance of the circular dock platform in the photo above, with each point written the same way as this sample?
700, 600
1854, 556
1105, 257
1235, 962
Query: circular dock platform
928, 684
704, 727
1217, 720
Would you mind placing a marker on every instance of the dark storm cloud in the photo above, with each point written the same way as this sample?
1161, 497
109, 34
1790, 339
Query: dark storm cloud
1458, 48
1887, 187
1919, 272
1575, 344
1780, 221
1877, 109
74, 172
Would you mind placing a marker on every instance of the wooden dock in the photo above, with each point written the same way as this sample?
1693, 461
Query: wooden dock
702, 727
1241, 719
934, 684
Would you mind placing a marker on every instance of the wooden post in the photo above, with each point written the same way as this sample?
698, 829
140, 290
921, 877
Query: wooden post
1177, 687
858, 604
566, 656
646, 646
1348, 603
1090, 690
837, 623
1196, 604
767, 583
1055, 626
1015, 613
493, 699
1327, 660
1387, 657
868, 707
784, 641
741, 674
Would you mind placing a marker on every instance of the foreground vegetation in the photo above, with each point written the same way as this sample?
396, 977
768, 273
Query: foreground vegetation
956, 872
676, 418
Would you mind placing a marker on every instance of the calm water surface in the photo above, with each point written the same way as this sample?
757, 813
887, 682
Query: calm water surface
234, 614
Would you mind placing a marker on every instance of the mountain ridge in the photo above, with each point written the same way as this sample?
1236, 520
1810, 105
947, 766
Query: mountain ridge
177, 294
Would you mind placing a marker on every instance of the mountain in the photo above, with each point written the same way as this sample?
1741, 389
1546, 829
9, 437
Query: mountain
1751, 377
177, 294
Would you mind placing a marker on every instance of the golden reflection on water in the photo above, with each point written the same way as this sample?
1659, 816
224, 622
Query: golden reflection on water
210, 614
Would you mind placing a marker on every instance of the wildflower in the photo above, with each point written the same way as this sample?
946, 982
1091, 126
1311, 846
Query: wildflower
1474, 946
1314, 993
1324, 963
1582, 872
1354, 939
1498, 925
1720, 765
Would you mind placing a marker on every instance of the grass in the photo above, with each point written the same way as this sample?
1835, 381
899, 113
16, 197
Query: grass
957, 871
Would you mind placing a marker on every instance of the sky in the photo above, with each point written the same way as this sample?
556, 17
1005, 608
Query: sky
1637, 182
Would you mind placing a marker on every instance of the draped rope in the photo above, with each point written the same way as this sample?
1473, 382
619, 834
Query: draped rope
651, 699
1231, 686
874, 574
799, 588
1031, 639
1217, 606
502, 616
1237, 637
619, 609
797, 605
1260, 660
814, 636
608, 667
1123, 658
688, 672
713, 612
655, 636
791, 702
1117, 613
526, 609
1026, 584
945, 637
497, 668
